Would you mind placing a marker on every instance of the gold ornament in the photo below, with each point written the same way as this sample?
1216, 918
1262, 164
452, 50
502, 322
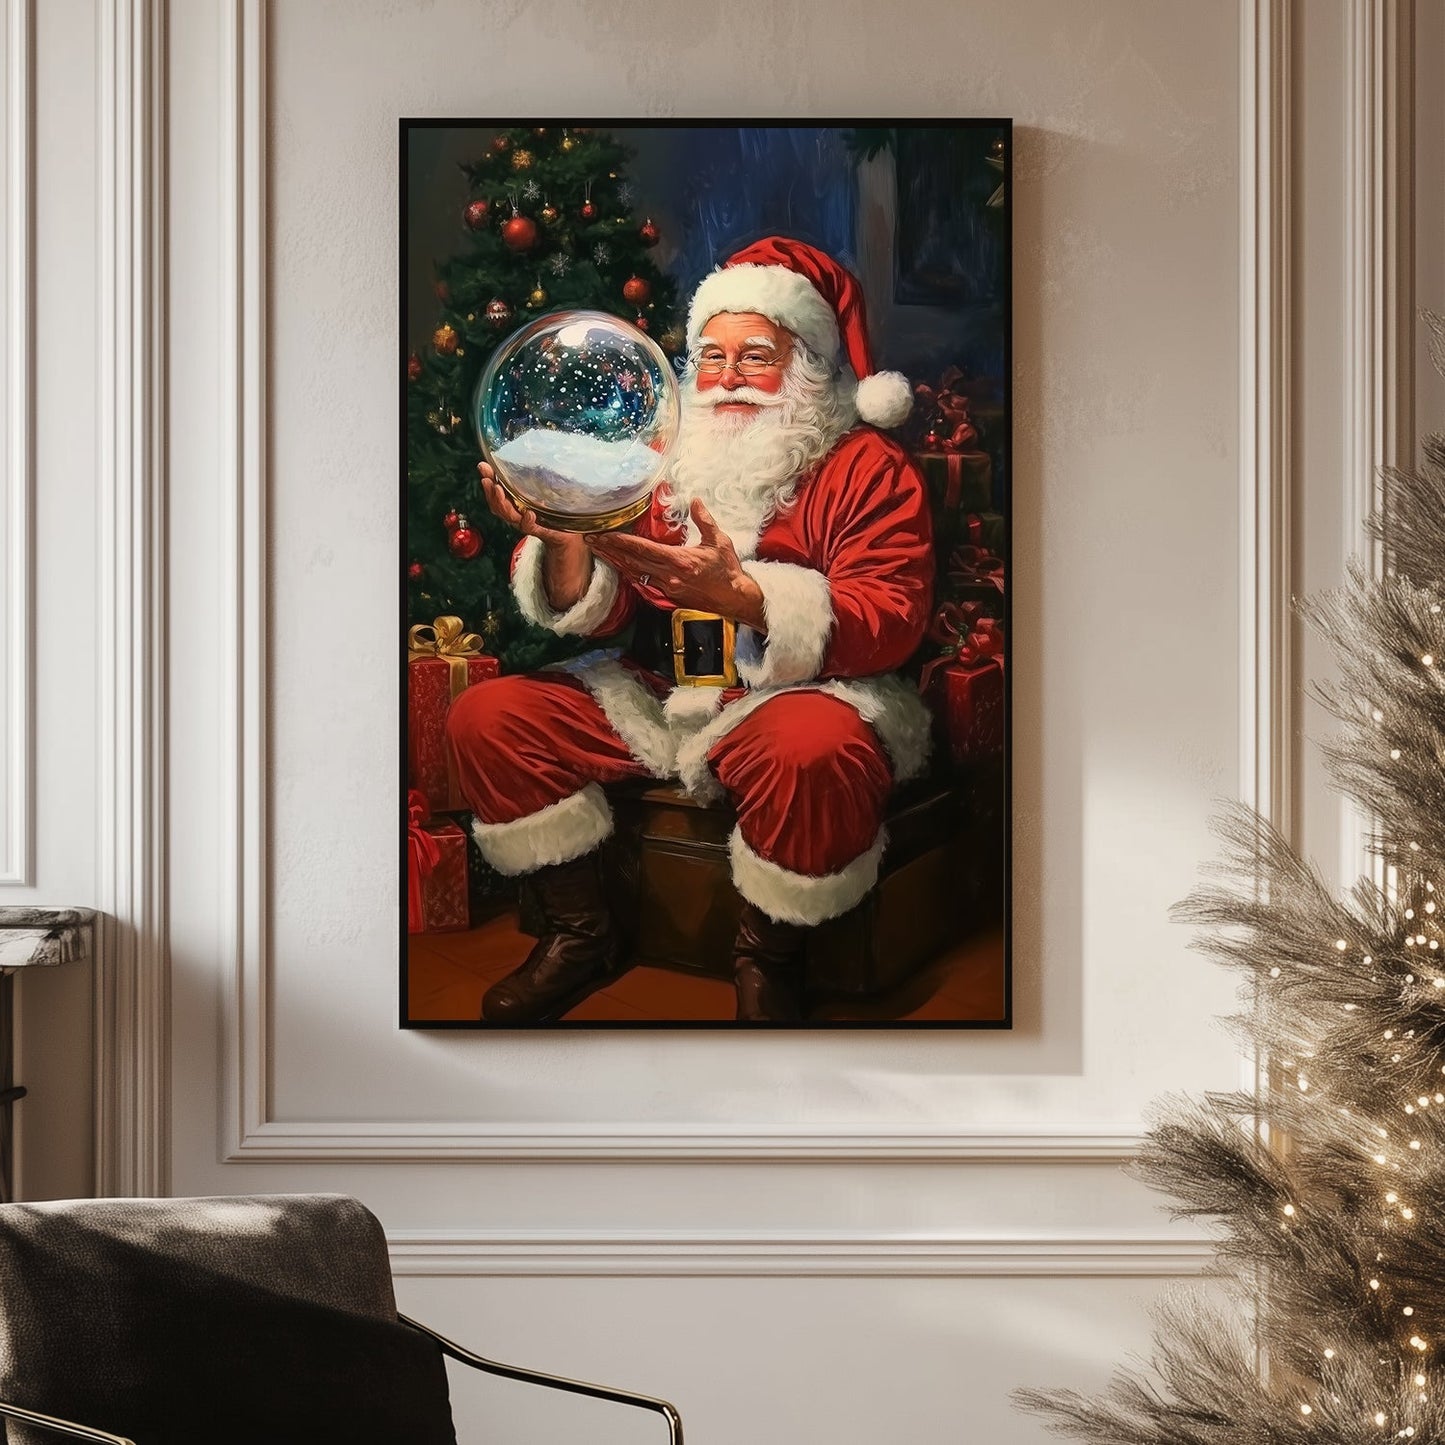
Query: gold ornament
521, 160
538, 296
444, 339
568, 143
672, 339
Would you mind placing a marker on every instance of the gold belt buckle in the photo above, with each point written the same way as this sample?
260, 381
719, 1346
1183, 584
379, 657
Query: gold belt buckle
728, 677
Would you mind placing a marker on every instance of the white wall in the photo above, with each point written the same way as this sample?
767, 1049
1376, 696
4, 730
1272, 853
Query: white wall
832, 1237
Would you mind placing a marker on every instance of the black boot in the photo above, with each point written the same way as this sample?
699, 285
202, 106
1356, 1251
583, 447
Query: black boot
768, 968
577, 953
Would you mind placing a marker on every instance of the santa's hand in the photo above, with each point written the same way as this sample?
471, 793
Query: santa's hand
523, 519
707, 577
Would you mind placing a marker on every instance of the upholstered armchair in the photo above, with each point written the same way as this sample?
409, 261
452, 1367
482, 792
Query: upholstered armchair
264, 1318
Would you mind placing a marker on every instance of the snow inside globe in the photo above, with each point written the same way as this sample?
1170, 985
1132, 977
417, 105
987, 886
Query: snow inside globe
575, 413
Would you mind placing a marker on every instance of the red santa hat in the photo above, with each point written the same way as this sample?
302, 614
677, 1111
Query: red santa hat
798, 286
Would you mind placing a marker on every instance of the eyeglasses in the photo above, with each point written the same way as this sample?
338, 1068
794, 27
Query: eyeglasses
714, 363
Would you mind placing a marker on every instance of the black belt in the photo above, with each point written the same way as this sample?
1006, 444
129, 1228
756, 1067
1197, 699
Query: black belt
694, 649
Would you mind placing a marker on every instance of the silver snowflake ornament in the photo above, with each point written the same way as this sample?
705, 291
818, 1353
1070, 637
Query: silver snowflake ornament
560, 264
531, 190
625, 193
600, 254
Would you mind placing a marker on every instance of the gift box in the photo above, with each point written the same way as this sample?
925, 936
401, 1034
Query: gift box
437, 898
958, 482
965, 684
443, 660
974, 577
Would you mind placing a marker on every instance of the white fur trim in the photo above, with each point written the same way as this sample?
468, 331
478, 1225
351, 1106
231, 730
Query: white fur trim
792, 897
888, 704
777, 292
629, 705
884, 399
689, 708
554, 834
798, 607
584, 617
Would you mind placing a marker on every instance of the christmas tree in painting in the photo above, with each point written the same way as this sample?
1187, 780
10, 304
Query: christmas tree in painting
545, 223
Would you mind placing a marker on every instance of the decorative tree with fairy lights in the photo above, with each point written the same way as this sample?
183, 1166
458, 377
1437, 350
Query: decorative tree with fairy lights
1328, 1188
548, 220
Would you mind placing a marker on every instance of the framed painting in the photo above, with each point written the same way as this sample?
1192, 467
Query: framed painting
706, 480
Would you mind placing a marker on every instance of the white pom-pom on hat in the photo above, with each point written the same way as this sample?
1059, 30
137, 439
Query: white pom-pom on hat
804, 289
885, 398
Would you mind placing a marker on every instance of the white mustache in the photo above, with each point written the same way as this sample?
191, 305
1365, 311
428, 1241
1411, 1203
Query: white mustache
742, 393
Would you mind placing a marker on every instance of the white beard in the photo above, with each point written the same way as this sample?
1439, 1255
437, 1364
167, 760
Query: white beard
746, 467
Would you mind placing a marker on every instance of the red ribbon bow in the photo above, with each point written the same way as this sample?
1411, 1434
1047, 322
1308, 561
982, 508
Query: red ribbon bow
424, 854
969, 564
952, 427
967, 637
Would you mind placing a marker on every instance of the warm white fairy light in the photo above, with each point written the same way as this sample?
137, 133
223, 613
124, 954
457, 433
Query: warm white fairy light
1408, 1310
1374, 1284
1392, 1198
1341, 944
1379, 1158
1419, 1379
1289, 1210
1414, 1143
1429, 905
1378, 715
1379, 1417
1274, 973
1329, 1354
1427, 659
1407, 1213
1394, 754
1306, 1410
1409, 913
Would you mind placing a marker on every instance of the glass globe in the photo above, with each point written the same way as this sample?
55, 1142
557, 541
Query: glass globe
575, 413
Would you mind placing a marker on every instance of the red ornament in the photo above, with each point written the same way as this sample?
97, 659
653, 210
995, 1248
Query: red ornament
476, 214
641, 322
636, 291
589, 211
520, 233
464, 542
443, 292
452, 520
501, 143
416, 571
413, 367
498, 311
648, 233
933, 441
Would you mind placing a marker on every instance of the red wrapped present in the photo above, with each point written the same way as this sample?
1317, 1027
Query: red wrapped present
444, 659
437, 898
966, 682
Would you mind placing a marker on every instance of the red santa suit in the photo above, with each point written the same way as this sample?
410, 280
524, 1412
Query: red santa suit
809, 743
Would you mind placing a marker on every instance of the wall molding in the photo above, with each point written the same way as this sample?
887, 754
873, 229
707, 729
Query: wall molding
273, 1142
132, 994
1380, 318
1266, 205
1267, 663
422, 1254
17, 466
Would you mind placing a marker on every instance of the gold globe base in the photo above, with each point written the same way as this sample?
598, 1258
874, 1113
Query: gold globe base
579, 522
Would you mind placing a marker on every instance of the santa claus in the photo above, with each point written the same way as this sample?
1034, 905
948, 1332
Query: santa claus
781, 576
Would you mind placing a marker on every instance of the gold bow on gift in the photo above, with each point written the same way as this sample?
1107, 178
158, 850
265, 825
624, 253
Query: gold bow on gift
446, 638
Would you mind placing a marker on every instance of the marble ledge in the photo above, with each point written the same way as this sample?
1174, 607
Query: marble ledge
44, 937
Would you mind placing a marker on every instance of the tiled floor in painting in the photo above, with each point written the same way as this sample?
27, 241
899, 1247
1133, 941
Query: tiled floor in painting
449, 972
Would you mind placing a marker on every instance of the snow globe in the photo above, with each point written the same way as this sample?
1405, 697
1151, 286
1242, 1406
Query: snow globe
575, 413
